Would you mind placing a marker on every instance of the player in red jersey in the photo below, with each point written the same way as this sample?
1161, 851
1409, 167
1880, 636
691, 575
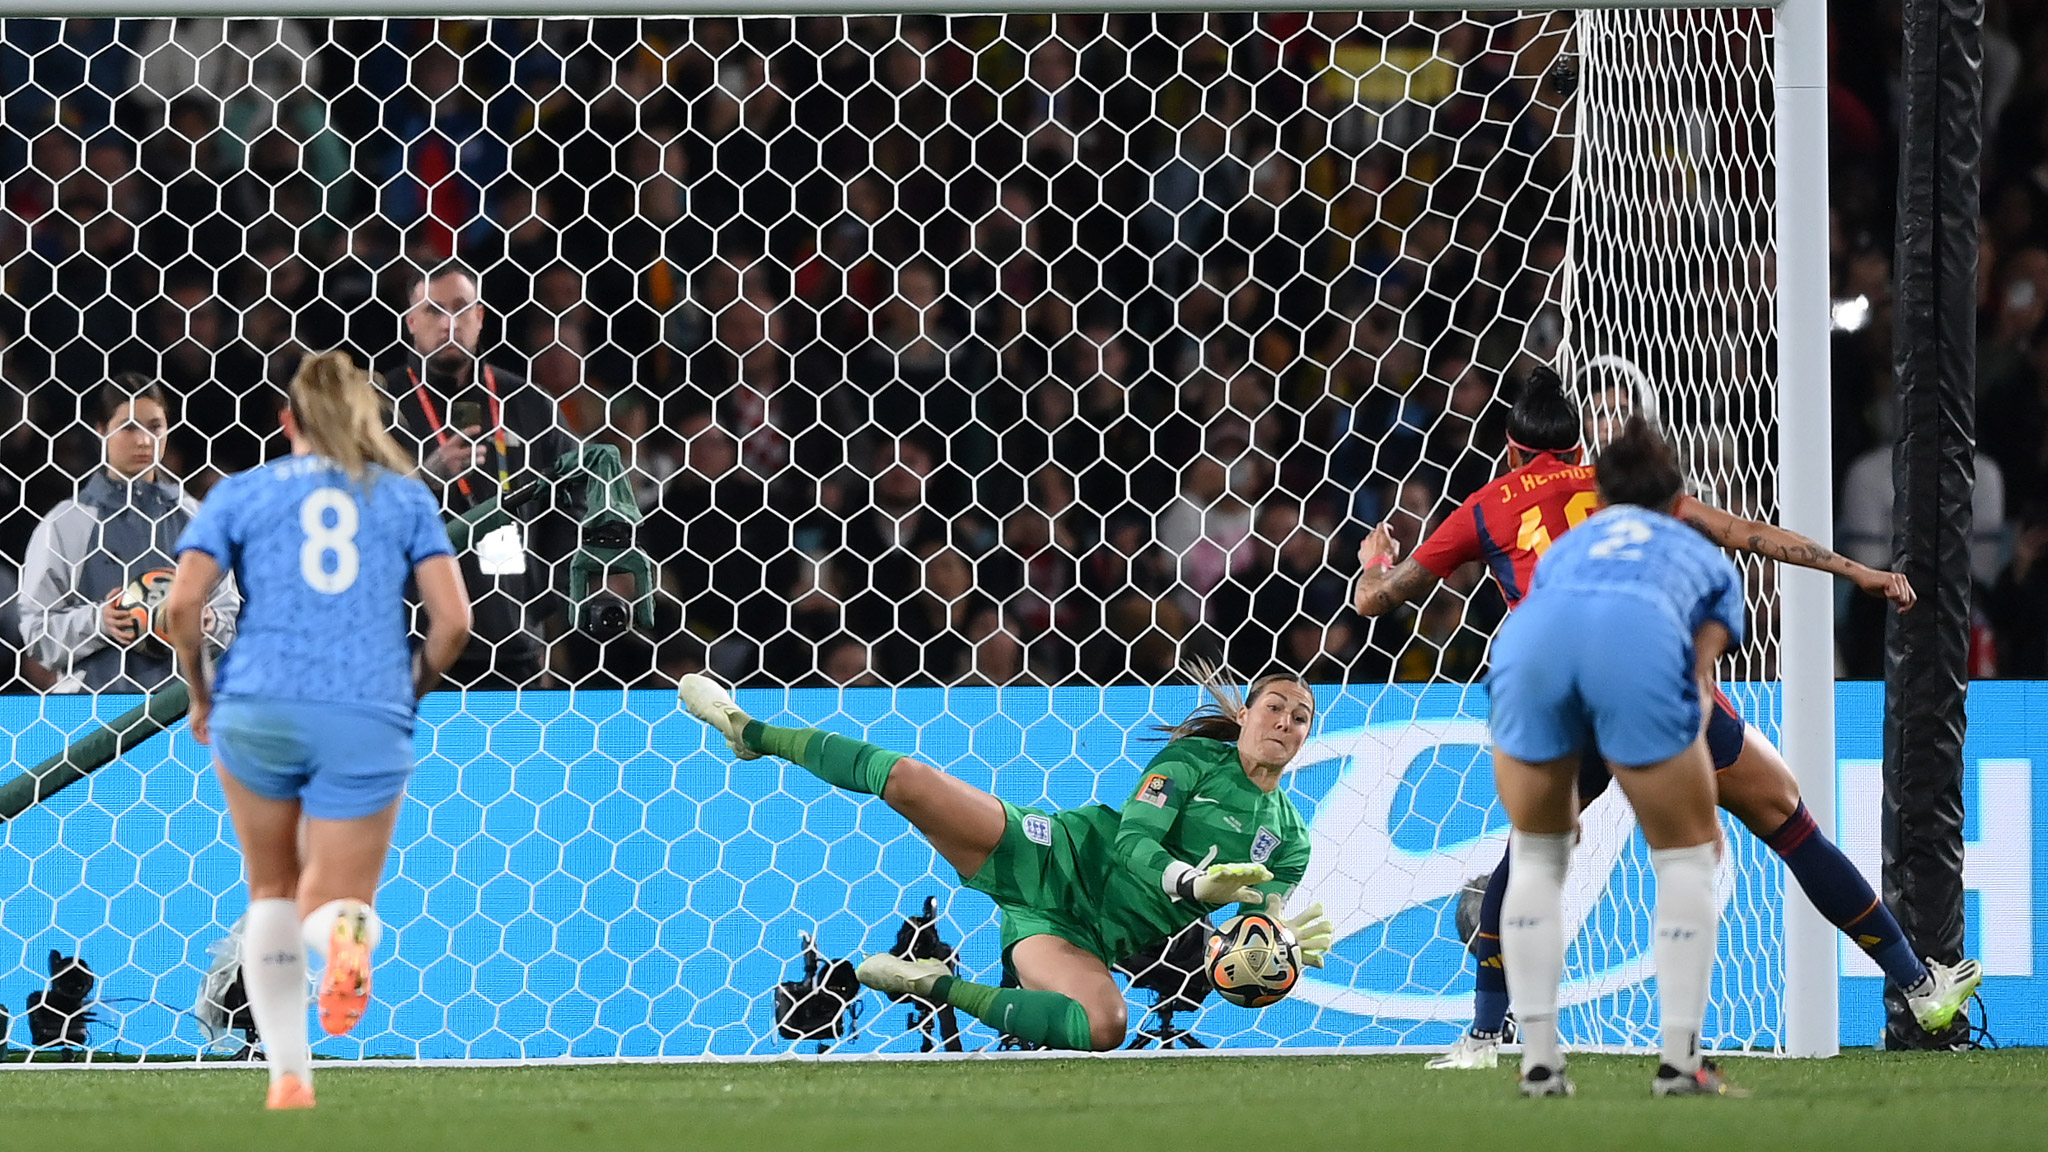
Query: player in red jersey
1508, 525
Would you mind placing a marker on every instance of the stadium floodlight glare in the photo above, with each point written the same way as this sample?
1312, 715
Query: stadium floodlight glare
827, 285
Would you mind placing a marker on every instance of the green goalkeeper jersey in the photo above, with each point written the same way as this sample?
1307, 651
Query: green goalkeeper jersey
1193, 804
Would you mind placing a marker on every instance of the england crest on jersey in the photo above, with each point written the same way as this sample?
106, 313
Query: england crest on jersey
1038, 829
1263, 845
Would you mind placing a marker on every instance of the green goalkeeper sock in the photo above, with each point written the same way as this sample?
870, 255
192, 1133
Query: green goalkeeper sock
1046, 1018
840, 761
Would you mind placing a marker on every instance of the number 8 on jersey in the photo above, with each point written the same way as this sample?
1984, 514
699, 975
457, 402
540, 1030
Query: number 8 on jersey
323, 540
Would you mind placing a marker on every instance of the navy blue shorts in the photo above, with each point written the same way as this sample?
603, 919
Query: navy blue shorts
1726, 733
338, 762
1616, 671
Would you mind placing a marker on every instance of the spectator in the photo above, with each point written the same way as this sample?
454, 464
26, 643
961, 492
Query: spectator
719, 542
1309, 247
998, 651
1209, 527
2018, 604
474, 426
642, 447
123, 523
883, 544
945, 606
1286, 584
1443, 649
1865, 536
444, 161
26, 672
846, 664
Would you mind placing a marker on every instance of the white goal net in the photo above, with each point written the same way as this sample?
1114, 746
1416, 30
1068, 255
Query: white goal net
968, 374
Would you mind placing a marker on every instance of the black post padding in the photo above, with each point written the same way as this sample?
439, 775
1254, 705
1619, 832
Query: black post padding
1927, 650
93, 751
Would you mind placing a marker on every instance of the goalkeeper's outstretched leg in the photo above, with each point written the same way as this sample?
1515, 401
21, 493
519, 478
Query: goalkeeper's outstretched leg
1068, 999
962, 822
1084, 888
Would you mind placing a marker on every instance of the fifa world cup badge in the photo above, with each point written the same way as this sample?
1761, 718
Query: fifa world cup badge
1156, 790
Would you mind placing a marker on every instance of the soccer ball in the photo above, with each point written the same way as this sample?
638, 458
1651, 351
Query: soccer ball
141, 602
1252, 961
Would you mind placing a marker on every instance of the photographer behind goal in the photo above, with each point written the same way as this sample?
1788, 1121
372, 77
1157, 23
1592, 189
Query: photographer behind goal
476, 430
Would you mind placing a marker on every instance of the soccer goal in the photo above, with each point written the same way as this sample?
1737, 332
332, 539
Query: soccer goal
963, 375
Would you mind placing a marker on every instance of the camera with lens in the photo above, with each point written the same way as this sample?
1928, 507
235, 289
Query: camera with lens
590, 487
819, 1004
606, 616
57, 1017
917, 938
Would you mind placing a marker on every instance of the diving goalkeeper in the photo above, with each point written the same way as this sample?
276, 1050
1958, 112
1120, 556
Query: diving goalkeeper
1084, 888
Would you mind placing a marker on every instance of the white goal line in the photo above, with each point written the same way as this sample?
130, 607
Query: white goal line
372, 1064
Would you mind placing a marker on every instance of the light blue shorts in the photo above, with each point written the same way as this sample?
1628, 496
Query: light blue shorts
1570, 670
338, 762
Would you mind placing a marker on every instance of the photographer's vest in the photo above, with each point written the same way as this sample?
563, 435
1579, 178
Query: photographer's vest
139, 525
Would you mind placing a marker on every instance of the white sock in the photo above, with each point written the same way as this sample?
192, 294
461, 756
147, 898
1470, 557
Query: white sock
1532, 940
1687, 924
318, 930
274, 974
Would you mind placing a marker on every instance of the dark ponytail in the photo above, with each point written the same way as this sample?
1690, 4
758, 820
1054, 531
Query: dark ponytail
1544, 419
1216, 719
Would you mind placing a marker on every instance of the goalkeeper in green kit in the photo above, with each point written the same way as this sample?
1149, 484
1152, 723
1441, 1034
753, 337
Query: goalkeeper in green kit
1084, 888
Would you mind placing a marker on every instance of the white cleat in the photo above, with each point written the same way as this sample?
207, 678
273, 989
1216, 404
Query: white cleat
899, 977
713, 705
1470, 1052
1953, 987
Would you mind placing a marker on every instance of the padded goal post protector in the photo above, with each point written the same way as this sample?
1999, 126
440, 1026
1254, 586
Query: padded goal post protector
1935, 356
94, 751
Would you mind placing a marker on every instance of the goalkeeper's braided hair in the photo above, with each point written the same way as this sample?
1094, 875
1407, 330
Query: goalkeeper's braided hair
1217, 717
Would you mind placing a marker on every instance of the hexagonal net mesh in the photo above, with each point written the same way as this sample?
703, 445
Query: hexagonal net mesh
965, 375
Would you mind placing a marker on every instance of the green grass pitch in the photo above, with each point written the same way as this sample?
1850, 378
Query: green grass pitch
1869, 1102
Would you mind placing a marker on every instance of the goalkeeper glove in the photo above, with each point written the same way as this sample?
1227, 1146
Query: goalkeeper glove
1312, 930
1220, 883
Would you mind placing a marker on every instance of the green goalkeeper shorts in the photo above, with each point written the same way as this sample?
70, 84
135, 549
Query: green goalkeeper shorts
1034, 885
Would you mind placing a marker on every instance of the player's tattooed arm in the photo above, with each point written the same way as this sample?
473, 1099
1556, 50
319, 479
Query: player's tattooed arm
1382, 584
1382, 590
1788, 547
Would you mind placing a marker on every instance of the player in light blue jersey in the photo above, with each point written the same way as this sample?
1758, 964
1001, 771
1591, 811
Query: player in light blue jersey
310, 713
1616, 643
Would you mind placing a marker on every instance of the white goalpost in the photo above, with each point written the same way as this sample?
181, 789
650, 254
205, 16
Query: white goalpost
966, 372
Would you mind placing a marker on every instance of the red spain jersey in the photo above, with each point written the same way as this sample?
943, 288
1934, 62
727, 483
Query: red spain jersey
1510, 523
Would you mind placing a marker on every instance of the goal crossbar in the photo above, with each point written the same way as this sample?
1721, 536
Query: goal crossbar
596, 8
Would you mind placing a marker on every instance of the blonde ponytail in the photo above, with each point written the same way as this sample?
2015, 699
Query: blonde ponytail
341, 415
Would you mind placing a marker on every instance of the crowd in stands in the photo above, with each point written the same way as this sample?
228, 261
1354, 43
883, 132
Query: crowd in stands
941, 350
